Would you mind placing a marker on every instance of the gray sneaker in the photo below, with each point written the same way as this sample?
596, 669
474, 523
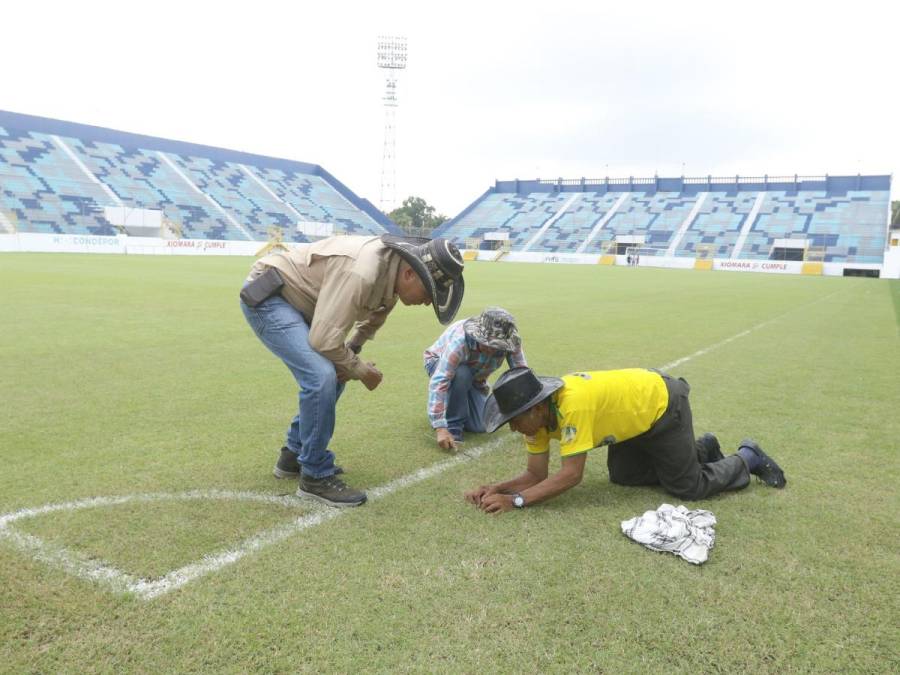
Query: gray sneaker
330, 490
287, 465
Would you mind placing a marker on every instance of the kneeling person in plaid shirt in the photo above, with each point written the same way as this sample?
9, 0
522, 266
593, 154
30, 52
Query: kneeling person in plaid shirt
459, 363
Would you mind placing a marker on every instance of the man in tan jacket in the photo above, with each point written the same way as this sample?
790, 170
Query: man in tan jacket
315, 308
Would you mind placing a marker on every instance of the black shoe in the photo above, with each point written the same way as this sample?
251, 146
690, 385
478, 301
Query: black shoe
711, 451
287, 465
768, 471
331, 490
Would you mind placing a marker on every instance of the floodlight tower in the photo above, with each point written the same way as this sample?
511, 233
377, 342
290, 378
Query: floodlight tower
391, 59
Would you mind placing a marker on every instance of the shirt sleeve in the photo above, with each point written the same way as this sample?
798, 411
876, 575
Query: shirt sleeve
365, 330
441, 379
340, 297
539, 443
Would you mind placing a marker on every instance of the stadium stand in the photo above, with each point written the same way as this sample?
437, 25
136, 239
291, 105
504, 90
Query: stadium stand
519, 215
840, 219
60, 177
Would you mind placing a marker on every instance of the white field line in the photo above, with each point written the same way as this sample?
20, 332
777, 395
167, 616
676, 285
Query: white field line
706, 350
151, 589
118, 581
69, 561
92, 570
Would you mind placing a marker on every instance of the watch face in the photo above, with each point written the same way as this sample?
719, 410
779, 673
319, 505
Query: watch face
519, 501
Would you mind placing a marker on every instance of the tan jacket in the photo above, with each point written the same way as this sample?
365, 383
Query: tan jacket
338, 283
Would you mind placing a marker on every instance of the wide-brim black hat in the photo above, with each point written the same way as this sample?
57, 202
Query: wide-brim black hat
439, 265
517, 390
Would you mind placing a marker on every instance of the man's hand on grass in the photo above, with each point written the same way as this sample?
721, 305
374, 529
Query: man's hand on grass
496, 503
477, 495
445, 439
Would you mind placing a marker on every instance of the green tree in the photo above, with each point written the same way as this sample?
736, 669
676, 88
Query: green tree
416, 217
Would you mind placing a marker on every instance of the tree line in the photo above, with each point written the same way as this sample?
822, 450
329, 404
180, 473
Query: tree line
417, 217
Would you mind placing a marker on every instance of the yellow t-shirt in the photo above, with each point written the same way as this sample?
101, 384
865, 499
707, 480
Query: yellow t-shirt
602, 407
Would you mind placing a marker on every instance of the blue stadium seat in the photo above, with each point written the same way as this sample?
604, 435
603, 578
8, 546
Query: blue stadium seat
851, 225
575, 225
717, 224
57, 177
41, 192
846, 219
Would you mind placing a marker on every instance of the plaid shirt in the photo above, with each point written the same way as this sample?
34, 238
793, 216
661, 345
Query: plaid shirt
452, 349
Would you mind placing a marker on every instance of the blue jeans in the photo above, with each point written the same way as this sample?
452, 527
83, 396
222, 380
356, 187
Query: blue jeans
285, 332
465, 404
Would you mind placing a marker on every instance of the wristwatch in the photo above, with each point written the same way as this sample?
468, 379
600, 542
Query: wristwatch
518, 501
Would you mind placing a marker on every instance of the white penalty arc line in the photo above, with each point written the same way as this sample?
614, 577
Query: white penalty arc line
116, 580
179, 577
83, 567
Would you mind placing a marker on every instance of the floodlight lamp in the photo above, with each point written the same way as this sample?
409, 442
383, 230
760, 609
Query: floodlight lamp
391, 52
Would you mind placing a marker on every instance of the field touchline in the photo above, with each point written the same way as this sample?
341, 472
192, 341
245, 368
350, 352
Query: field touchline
706, 350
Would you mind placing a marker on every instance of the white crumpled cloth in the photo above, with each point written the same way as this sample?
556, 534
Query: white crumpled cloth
688, 534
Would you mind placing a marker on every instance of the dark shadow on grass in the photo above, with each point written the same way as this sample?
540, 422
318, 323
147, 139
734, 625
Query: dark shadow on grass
600, 493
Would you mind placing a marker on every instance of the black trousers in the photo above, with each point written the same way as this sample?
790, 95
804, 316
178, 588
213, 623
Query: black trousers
667, 455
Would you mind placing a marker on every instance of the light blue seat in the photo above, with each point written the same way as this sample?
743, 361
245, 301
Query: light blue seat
846, 218
210, 193
717, 225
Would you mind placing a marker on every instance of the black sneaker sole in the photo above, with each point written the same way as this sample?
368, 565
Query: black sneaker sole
281, 473
340, 505
278, 472
769, 473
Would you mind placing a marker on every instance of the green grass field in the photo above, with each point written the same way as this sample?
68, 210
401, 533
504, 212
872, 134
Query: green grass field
138, 375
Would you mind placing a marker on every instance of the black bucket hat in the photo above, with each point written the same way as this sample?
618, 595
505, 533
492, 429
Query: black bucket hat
517, 390
439, 265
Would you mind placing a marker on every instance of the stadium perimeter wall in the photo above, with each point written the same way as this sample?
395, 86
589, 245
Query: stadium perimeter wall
123, 244
127, 245
889, 270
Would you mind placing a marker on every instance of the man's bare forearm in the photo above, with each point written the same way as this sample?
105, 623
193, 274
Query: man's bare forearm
517, 484
550, 487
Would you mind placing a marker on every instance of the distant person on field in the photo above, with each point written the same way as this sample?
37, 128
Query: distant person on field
459, 363
303, 304
642, 415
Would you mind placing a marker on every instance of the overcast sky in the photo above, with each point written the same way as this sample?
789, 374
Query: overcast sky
493, 90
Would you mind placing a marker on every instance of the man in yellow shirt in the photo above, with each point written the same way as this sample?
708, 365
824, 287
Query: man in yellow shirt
642, 415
